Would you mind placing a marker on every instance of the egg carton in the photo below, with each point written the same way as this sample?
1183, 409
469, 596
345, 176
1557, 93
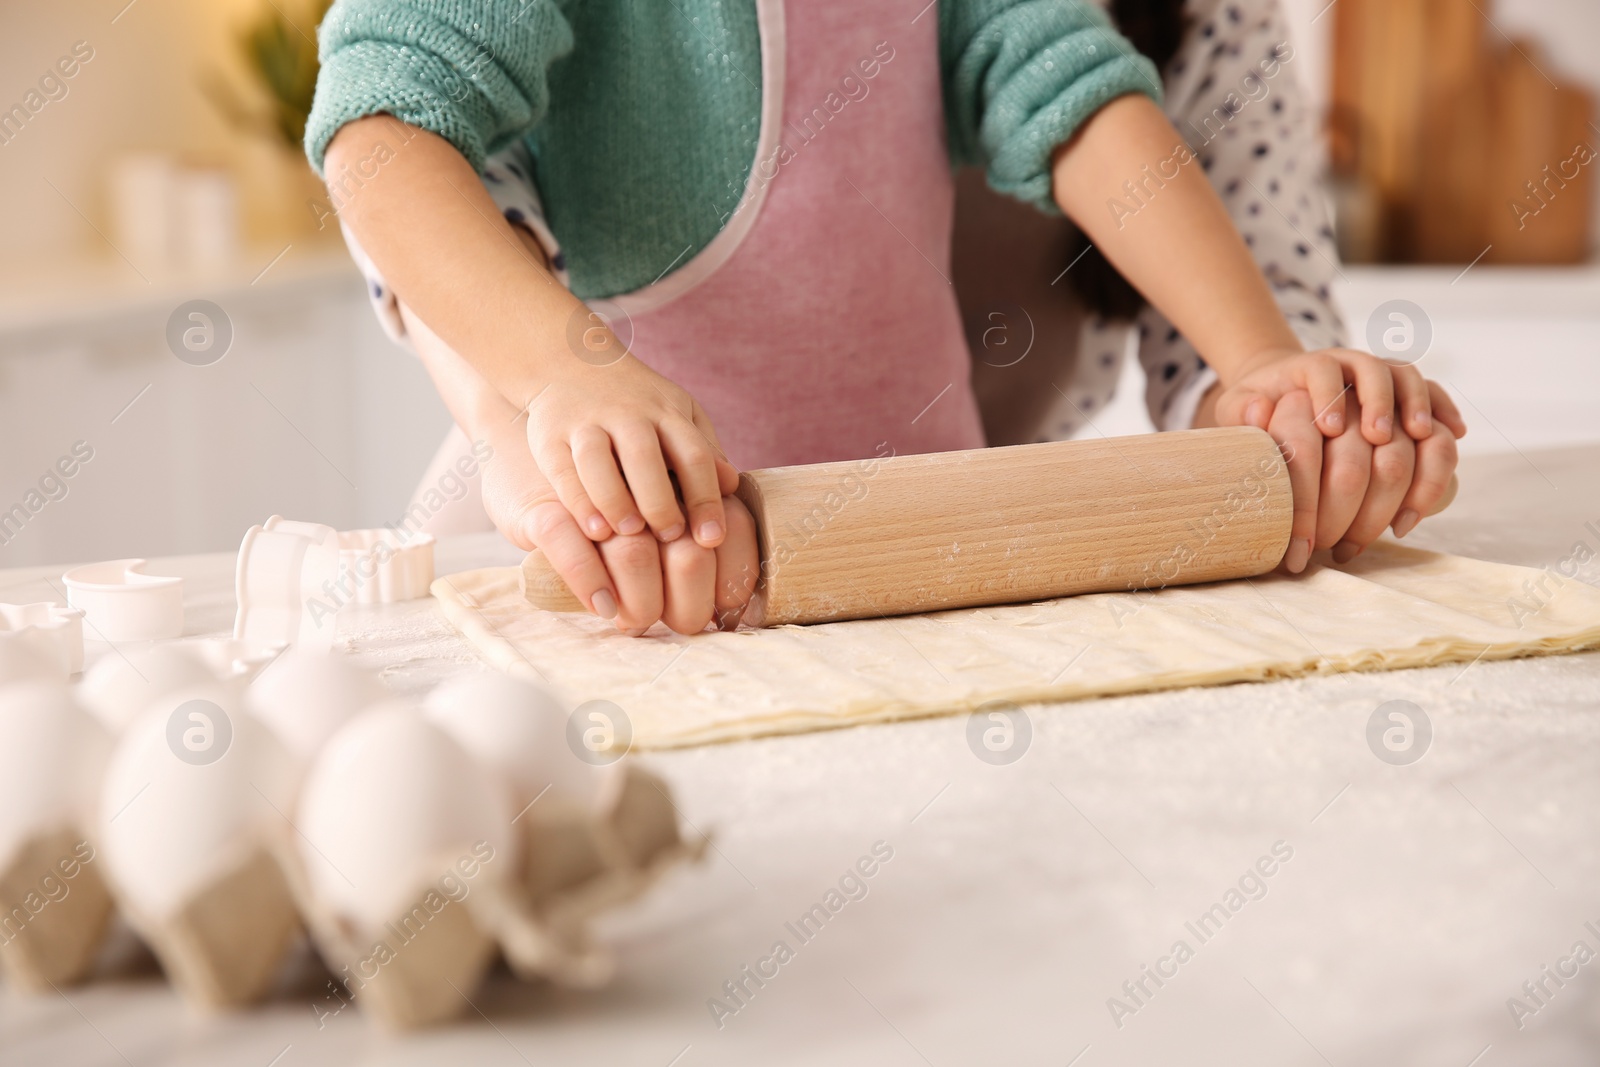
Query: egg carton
228, 804
54, 903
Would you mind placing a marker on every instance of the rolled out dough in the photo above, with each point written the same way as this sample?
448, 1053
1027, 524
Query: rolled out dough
1392, 607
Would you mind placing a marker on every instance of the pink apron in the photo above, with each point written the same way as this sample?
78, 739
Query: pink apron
821, 323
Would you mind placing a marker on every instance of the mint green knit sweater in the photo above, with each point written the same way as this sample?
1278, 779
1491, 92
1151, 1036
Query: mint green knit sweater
642, 117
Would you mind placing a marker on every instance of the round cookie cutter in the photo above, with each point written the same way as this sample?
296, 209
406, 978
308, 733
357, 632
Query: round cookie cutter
122, 603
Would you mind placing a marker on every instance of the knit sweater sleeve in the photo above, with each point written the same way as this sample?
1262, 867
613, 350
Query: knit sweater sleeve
1020, 76
471, 71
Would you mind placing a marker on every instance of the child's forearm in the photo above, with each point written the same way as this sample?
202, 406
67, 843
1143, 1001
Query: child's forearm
424, 217
1180, 248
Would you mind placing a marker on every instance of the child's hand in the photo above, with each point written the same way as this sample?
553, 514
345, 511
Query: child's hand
631, 579
605, 438
1380, 389
1347, 486
1346, 490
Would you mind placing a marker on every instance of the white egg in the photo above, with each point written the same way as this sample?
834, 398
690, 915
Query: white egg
307, 696
519, 730
121, 685
193, 786
393, 805
52, 758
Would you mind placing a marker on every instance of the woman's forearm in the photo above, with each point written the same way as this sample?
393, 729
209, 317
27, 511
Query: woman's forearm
1171, 237
426, 220
475, 405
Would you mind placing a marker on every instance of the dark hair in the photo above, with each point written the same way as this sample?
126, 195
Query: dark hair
1155, 28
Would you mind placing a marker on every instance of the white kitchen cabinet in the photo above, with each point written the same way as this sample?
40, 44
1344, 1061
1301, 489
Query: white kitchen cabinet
312, 413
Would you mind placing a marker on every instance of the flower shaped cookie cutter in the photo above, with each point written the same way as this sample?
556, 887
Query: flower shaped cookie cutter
384, 566
51, 629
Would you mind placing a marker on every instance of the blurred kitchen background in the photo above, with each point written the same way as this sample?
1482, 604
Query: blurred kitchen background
163, 170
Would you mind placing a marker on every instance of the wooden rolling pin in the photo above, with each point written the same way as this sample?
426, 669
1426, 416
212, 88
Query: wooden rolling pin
905, 534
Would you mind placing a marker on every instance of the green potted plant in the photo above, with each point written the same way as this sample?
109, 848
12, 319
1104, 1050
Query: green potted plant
268, 99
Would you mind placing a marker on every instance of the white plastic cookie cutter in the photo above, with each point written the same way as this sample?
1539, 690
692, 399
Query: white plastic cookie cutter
53, 630
285, 584
122, 603
382, 567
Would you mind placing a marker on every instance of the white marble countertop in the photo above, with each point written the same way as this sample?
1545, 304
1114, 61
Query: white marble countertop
1020, 898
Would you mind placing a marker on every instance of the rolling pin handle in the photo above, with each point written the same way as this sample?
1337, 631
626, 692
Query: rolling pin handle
544, 588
